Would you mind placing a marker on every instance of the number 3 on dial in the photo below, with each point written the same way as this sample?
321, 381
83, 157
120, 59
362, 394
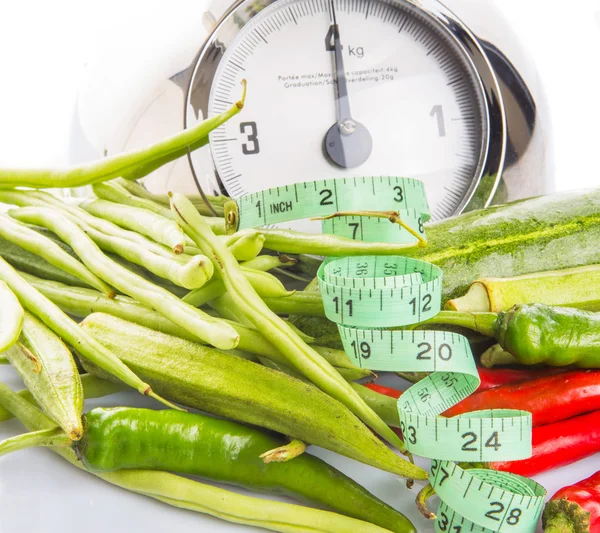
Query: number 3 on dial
251, 146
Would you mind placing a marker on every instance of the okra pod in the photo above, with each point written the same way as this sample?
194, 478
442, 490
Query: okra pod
300, 355
194, 496
11, 317
572, 287
93, 387
54, 382
214, 382
70, 332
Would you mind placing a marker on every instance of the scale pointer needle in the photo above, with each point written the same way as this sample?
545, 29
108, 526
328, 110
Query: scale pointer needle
347, 143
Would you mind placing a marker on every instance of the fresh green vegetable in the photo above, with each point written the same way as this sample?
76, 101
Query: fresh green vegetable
62, 325
536, 333
300, 356
246, 245
33, 264
220, 450
82, 302
572, 287
187, 494
38, 244
11, 317
93, 387
142, 221
545, 233
51, 376
131, 165
216, 202
190, 273
195, 321
295, 242
227, 386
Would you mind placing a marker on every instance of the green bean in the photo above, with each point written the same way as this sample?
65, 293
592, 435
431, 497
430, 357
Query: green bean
38, 244
44, 199
54, 380
34, 264
11, 317
268, 262
194, 496
299, 303
300, 355
195, 321
264, 284
70, 332
158, 228
81, 302
191, 274
247, 244
93, 387
129, 165
116, 193
294, 242
216, 202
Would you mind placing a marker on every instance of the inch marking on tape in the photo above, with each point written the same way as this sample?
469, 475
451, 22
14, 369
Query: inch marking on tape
324, 197
368, 295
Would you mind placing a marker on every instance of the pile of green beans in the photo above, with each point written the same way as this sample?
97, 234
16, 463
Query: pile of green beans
174, 307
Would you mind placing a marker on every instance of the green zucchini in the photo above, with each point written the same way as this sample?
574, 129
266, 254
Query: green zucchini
552, 232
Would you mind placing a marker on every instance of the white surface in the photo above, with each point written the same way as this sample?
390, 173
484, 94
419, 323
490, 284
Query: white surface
44, 46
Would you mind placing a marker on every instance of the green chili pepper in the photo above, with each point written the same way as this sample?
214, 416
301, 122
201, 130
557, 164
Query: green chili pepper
131, 165
537, 333
187, 494
11, 317
220, 450
212, 381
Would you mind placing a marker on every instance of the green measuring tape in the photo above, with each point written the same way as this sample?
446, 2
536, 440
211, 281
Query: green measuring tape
366, 294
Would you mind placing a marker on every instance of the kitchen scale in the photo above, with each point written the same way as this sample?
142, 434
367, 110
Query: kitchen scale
336, 88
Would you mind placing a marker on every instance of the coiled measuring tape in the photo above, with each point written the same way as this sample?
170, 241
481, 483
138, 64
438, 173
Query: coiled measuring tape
366, 294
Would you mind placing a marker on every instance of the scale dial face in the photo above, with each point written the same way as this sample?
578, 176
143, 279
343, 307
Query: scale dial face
409, 83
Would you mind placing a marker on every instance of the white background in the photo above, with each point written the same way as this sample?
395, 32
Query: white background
43, 48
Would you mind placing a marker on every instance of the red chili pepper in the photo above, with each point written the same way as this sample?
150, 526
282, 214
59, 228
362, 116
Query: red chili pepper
496, 377
574, 508
557, 445
549, 398
388, 391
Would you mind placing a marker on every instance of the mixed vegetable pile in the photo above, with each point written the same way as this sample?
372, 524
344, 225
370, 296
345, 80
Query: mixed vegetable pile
129, 289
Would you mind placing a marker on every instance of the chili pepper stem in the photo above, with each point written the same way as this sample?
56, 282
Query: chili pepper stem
564, 516
474, 301
496, 355
44, 437
284, 453
483, 323
421, 501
